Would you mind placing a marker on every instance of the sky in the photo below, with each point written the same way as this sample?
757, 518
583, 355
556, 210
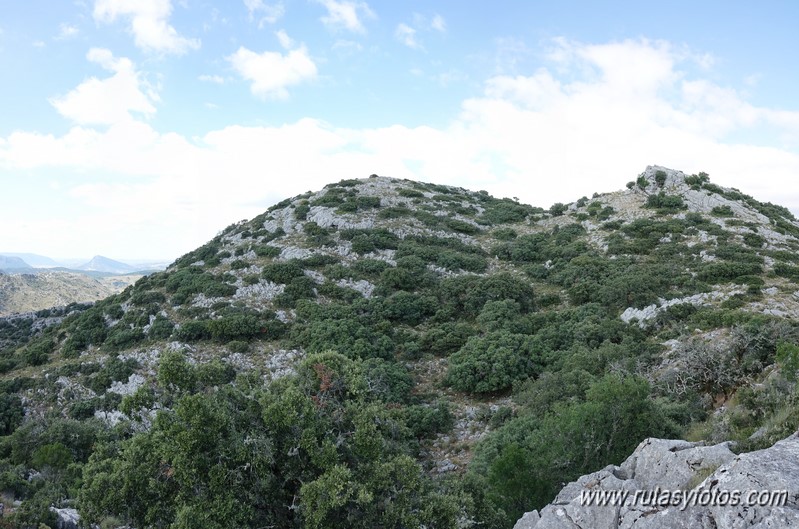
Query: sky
139, 129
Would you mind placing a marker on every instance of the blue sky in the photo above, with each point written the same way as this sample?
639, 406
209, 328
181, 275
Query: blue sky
138, 129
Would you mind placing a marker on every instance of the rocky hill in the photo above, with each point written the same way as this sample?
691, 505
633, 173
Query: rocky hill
392, 353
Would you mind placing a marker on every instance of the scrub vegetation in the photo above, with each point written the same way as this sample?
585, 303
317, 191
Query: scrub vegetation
388, 353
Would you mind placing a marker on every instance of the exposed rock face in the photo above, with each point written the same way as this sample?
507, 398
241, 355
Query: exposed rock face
66, 518
662, 465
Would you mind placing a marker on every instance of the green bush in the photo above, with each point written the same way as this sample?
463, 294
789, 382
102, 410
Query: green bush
492, 363
192, 331
722, 211
697, 180
174, 370
282, 273
145, 298
161, 328
120, 338
466, 295
505, 234
462, 226
721, 272
37, 352
665, 203
411, 309
754, 240
301, 210
427, 421
235, 327
187, 282
11, 413
370, 267
267, 251
447, 338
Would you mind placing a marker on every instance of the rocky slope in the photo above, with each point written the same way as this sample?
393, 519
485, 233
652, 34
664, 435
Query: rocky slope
383, 327
659, 468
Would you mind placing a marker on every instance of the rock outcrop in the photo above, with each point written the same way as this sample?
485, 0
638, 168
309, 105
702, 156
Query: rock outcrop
657, 483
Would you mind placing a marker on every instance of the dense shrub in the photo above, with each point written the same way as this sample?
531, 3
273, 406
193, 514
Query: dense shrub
447, 338
11, 413
190, 281
665, 203
161, 328
192, 331
282, 273
370, 267
120, 338
492, 363
466, 295
235, 327
720, 272
722, 211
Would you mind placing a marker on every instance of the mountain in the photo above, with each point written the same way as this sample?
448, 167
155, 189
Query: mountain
9, 264
30, 292
392, 353
98, 263
34, 260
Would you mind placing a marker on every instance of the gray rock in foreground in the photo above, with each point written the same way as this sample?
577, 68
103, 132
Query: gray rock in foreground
665, 466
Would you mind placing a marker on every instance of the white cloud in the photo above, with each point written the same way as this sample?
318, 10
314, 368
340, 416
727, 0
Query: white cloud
270, 72
585, 122
285, 41
407, 35
439, 24
216, 79
66, 31
111, 100
347, 47
149, 23
264, 12
346, 14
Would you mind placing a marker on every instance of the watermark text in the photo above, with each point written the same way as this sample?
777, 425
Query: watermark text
683, 499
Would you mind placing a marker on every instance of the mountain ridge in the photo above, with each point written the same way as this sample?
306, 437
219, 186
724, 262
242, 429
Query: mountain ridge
461, 333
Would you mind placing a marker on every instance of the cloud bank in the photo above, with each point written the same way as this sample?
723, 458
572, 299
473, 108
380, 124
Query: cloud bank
589, 120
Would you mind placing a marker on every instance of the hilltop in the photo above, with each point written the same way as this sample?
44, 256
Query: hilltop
397, 353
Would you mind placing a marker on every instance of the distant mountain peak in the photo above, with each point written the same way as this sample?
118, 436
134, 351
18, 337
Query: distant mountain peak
99, 263
13, 263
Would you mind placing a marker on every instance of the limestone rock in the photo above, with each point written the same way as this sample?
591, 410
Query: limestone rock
655, 463
66, 518
527, 521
